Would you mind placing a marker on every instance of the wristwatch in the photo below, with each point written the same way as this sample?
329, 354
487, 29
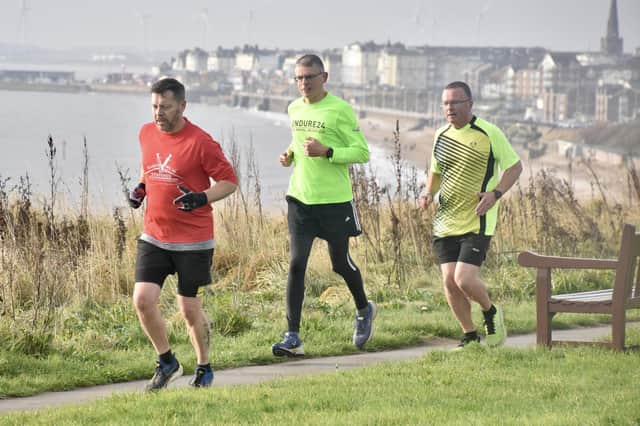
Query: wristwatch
497, 194
329, 153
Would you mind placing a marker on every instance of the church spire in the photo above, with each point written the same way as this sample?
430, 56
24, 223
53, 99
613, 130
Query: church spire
611, 43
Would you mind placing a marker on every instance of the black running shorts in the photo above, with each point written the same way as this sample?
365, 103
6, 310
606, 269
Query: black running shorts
153, 264
326, 221
468, 248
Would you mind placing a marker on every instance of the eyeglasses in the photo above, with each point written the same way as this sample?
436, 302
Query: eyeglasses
455, 102
307, 77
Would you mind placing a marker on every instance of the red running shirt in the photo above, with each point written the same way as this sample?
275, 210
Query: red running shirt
188, 158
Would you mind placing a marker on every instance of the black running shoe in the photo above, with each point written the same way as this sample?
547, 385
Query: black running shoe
165, 374
466, 342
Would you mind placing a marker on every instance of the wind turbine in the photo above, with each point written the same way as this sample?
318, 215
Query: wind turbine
204, 16
144, 19
484, 10
250, 26
418, 21
22, 23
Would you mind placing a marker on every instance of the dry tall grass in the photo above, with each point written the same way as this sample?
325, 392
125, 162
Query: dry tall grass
50, 259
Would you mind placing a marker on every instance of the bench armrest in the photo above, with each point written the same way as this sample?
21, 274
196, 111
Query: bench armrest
534, 260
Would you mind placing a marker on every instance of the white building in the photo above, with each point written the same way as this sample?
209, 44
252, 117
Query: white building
268, 60
196, 60
245, 60
400, 67
499, 84
252, 58
222, 60
332, 60
289, 64
360, 64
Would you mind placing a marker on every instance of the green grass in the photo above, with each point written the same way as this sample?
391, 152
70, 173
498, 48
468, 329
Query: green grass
563, 386
66, 318
104, 344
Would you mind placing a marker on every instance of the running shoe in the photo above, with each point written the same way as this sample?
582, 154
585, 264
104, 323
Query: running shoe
291, 345
165, 374
467, 342
495, 329
202, 378
364, 326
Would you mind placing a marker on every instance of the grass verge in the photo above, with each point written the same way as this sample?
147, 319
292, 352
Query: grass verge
563, 386
111, 347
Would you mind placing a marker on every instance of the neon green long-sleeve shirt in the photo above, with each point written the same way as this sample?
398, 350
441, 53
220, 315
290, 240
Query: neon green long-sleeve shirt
319, 180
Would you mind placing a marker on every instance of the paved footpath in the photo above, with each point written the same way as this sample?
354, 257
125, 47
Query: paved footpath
298, 367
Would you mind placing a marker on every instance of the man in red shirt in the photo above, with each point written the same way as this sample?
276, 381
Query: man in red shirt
179, 162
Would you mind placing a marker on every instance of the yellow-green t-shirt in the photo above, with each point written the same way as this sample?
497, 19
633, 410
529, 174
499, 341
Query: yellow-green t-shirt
468, 161
320, 180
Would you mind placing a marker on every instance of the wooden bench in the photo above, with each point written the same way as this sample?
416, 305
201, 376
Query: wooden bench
615, 301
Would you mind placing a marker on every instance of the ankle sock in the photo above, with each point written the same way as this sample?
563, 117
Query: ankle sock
471, 335
364, 311
205, 367
167, 357
490, 312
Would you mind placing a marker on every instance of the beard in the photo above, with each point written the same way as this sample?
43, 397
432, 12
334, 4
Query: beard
167, 125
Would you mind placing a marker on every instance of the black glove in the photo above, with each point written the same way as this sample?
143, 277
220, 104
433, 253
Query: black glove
136, 195
190, 200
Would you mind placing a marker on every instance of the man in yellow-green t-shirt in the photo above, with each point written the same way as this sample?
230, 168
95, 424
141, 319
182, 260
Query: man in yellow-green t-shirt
464, 180
326, 139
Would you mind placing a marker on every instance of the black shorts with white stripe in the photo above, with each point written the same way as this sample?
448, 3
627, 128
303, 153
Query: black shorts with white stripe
326, 221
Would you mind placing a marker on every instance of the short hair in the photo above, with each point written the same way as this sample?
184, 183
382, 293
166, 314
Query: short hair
170, 84
460, 85
310, 60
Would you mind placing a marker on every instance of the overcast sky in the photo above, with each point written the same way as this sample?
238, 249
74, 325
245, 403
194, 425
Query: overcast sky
314, 24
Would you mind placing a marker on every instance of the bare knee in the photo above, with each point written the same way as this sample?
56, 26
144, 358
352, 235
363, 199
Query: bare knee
192, 314
191, 318
464, 282
450, 285
144, 302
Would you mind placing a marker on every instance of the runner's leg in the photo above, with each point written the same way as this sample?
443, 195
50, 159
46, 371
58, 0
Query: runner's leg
299, 256
344, 266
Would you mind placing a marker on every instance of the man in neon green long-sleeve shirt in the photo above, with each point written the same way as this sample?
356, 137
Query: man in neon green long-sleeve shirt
326, 139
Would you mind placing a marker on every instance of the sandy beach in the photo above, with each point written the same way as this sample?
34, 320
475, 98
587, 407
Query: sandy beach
415, 144
610, 178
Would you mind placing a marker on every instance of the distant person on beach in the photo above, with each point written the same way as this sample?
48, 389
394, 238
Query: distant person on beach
465, 183
178, 161
326, 139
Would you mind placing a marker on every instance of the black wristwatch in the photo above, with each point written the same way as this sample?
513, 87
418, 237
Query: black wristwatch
329, 153
497, 194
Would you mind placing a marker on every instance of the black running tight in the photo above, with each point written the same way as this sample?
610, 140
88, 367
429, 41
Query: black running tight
340, 261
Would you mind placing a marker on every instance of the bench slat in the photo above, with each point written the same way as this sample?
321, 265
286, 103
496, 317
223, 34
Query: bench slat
586, 296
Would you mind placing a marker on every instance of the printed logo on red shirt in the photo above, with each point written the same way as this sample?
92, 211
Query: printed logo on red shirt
161, 171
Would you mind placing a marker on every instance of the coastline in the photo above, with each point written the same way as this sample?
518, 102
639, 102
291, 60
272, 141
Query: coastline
415, 144
416, 141
78, 87
378, 129
44, 87
588, 177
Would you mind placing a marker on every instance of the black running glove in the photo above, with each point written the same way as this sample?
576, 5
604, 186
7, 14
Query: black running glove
190, 200
136, 195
